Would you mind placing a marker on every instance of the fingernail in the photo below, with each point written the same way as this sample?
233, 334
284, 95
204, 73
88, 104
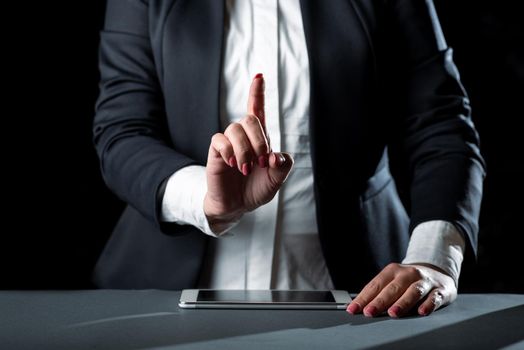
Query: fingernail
246, 168
280, 159
232, 162
262, 161
353, 308
259, 75
370, 311
423, 311
395, 311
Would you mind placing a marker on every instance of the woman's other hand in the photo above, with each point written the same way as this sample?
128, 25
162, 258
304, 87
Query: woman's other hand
399, 289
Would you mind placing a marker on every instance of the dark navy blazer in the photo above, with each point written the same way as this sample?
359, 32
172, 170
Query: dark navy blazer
382, 83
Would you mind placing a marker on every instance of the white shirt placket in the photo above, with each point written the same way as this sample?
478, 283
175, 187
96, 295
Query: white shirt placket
265, 60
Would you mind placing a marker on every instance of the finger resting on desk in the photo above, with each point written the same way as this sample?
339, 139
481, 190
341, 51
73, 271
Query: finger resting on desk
391, 293
434, 300
370, 291
411, 297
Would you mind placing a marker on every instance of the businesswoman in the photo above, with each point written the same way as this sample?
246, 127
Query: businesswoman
252, 141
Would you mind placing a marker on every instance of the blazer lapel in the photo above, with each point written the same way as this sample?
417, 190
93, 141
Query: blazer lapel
192, 56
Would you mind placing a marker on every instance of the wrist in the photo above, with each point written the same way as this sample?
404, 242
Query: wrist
439, 244
218, 218
431, 266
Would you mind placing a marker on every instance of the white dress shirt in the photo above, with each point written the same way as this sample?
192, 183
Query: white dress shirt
277, 245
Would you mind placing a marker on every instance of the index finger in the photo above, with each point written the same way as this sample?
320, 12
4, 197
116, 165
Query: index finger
255, 103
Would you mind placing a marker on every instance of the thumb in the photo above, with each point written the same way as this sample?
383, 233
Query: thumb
280, 165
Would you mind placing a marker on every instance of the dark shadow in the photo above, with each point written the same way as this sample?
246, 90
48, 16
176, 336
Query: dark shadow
361, 320
188, 326
490, 331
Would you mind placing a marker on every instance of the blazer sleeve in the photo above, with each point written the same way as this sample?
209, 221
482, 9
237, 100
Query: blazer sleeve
129, 129
435, 134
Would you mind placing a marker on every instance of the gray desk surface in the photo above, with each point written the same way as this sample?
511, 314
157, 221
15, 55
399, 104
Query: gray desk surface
112, 319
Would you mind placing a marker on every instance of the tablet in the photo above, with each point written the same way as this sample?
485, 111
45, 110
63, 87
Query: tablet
264, 299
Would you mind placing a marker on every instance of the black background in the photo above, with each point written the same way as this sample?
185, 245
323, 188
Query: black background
58, 213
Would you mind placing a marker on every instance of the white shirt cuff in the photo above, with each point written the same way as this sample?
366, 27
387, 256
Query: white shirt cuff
183, 201
438, 243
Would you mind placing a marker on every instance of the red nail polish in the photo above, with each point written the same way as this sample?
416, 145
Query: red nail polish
353, 308
259, 75
246, 169
423, 311
395, 311
281, 159
232, 162
262, 161
370, 311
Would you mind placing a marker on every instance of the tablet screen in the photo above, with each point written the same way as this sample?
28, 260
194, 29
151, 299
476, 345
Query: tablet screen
264, 296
